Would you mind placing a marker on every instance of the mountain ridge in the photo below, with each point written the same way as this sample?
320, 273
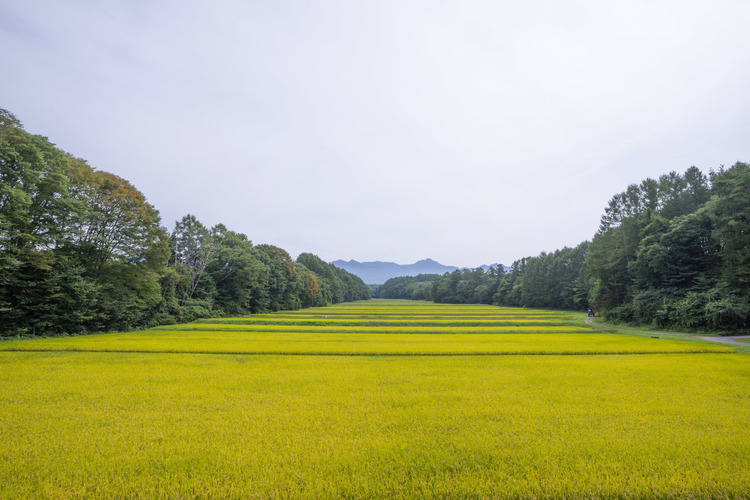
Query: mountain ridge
378, 272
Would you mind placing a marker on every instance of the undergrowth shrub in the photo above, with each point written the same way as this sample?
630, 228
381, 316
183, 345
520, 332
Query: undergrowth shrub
716, 309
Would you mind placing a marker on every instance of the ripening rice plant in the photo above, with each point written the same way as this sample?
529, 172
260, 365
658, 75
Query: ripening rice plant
310, 342
453, 401
404, 329
120, 425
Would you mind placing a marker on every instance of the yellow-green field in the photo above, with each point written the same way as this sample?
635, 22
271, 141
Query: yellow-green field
182, 416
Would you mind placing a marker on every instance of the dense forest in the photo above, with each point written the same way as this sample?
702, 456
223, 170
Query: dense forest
672, 252
82, 251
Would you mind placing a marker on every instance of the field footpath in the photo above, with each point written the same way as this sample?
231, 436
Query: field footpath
722, 340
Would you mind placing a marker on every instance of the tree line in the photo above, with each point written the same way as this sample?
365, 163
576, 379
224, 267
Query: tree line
81, 250
672, 252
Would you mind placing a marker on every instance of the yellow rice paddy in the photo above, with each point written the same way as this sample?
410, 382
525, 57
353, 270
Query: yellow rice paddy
221, 414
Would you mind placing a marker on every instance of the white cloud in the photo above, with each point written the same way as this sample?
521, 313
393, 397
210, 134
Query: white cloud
468, 132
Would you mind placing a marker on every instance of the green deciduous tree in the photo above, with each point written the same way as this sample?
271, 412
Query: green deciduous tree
238, 274
80, 250
730, 208
193, 249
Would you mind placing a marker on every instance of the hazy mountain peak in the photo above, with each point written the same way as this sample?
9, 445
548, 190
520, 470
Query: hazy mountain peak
378, 272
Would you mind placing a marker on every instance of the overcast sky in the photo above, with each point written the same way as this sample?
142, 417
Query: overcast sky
471, 132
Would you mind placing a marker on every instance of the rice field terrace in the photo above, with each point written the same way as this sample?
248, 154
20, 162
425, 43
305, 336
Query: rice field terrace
375, 399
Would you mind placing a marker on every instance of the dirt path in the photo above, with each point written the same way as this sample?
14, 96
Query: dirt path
722, 340
729, 340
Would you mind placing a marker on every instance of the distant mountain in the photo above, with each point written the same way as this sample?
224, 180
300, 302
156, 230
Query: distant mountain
377, 273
